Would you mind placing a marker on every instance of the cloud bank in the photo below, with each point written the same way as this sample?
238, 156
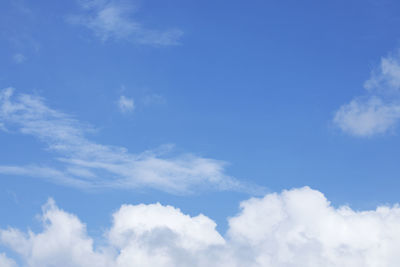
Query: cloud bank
295, 228
113, 19
378, 111
84, 163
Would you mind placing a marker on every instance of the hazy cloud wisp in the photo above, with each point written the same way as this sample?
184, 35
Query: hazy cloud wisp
84, 163
114, 19
126, 104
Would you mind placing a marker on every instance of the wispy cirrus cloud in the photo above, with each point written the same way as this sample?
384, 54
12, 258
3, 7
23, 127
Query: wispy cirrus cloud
294, 228
84, 163
378, 111
114, 19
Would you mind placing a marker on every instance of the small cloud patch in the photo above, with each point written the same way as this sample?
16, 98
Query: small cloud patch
126, 104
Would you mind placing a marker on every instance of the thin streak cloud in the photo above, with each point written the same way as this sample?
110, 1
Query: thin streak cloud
114, 20
87, 164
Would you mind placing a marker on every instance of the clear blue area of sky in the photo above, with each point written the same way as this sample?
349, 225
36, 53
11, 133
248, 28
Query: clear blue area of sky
253, 83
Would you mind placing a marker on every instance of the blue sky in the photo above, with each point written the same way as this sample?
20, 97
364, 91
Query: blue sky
195, 104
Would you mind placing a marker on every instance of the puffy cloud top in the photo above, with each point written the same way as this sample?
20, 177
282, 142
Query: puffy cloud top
298, 227
136, 222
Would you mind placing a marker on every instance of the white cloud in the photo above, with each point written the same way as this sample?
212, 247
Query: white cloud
84, 163
64, 242
295, 228
366, 117
126, 104
6, 262
19, 58
113, 19
387, 77
379, 110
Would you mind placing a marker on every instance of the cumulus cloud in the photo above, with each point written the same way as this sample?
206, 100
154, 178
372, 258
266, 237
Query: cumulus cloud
113, 19
297, 227
126, 104
378, 111
84, 163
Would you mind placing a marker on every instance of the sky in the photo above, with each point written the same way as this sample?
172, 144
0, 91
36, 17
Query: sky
199, 133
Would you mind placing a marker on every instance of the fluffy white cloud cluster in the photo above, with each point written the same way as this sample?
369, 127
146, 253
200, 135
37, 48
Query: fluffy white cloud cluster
295, 228
379, 110
84, 163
